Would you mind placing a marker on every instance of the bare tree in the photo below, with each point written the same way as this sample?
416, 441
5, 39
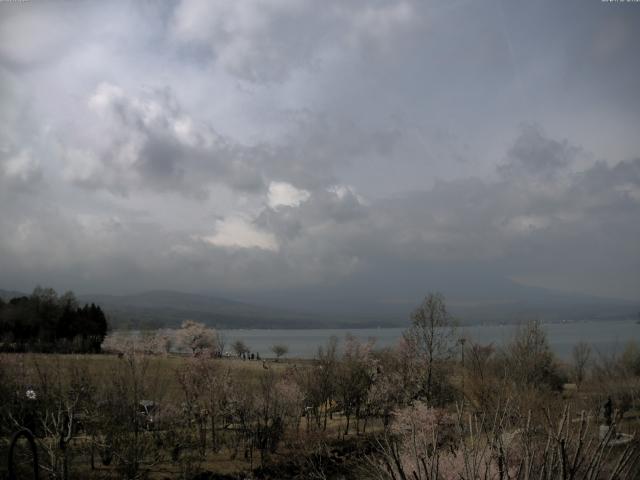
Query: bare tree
221, 343
239, 347
431, 333
354, 377
242, 409
530, 361
388, 390
279, 350
614, 377
581, 353
216, 387
195, 413
482, 388
126, 436
325, 380
61, 393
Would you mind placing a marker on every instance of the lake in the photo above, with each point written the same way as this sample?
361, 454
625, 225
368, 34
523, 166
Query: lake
604, 337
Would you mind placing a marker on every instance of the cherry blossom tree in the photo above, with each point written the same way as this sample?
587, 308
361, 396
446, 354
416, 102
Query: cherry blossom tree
196, 337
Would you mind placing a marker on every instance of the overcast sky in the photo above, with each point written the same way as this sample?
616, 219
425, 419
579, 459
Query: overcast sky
240, 147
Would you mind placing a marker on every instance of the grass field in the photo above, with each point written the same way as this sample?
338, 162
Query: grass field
162, 367
164, 387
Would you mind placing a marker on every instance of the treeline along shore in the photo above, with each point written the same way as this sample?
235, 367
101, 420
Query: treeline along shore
46, 322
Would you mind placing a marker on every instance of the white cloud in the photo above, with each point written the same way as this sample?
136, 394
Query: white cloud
22, 167
104, 97
344, 191
236, 232
285, 194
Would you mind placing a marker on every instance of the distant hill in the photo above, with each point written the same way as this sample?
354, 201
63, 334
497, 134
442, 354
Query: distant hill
164, 308
167, 308
348, 309
7, 295
553, 309
472, 296
170, 308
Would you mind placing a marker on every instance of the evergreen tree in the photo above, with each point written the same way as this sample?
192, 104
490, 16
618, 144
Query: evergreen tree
47, 322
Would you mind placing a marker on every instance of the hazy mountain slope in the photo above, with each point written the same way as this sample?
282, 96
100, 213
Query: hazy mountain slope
495, 301
170, 308
472, 295
7, 295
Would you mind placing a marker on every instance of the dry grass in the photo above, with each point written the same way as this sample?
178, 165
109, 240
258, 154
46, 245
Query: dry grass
161, 368
161, 371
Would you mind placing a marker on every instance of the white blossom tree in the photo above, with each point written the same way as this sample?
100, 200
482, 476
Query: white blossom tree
196, 337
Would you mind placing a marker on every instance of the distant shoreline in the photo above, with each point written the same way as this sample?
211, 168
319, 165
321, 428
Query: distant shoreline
367, 326
606, 337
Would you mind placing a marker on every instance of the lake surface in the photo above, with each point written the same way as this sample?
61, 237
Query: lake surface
604, 337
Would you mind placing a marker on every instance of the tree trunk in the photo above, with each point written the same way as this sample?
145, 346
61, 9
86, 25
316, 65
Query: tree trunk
429, 376
65, 465
203, 436
326, 412
214, 440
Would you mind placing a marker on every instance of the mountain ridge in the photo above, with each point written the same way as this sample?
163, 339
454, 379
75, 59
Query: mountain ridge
169, 308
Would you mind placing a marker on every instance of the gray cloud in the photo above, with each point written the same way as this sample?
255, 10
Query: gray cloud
151, 143
536, 155
267, 42
403, 139
580, 231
